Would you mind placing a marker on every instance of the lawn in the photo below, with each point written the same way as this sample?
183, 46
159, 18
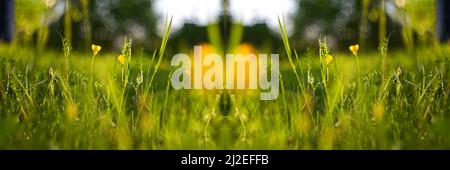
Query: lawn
384, 99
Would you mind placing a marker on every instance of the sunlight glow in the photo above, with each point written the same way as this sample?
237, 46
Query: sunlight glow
202, 12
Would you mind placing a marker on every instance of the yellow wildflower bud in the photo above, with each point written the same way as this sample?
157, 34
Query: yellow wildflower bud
354, 49
329, 59
96, 49
121, 59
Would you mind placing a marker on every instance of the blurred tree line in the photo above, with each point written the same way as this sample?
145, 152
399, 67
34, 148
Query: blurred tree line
408, 23
85, 21
366, 22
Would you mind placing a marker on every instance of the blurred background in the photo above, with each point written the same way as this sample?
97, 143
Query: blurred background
40, 23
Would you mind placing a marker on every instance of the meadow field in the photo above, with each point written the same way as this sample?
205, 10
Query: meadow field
102, 99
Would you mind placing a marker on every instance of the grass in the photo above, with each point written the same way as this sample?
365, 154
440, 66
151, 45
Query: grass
385, 100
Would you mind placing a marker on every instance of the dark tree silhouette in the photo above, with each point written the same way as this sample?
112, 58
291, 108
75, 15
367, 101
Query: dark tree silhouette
443, 19
6, 20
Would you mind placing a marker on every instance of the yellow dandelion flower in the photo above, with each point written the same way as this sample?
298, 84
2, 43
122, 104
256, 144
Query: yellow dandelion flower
354, 49
329, 59
96, 49
121, 59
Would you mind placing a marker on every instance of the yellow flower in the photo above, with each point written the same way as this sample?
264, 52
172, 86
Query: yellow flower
245, 49
96, 49
72, 111
378, 111
329, 59
354, 49
121, 59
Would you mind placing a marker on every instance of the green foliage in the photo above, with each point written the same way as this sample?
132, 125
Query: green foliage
421, 17
338, 19
28, 17
343, 103
132, 18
